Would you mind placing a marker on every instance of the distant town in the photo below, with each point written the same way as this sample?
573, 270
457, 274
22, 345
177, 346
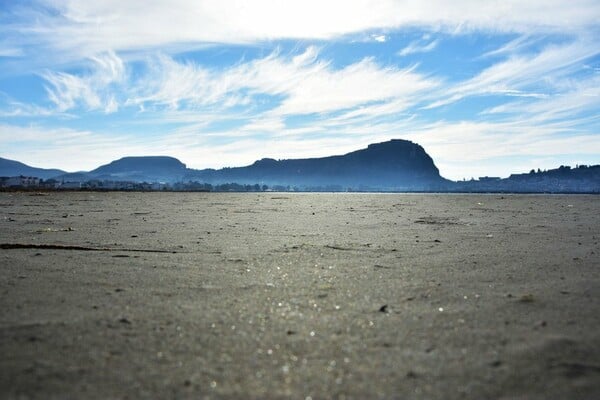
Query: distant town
581, 179
34, 183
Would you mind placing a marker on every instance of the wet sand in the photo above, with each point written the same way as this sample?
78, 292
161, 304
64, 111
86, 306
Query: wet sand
279, 295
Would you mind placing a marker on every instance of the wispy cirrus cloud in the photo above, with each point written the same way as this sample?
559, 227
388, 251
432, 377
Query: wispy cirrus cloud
357, 84
75, 29
93, 90
301, 83
174, 83
581, 97
522, 71
513, 46
10, 108
424, 45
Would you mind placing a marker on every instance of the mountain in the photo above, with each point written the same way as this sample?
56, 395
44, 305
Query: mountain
395, 164
150, 169
16, 168
136, 169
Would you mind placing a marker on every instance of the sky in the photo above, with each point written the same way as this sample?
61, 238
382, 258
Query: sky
488, 88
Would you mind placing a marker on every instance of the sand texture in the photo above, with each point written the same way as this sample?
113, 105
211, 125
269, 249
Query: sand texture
279, 295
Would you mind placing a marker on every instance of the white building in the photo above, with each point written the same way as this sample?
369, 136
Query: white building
22, 181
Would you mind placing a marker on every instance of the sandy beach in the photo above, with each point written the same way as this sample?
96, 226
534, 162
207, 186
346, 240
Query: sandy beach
303, 296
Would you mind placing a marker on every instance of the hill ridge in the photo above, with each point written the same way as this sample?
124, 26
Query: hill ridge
393, 165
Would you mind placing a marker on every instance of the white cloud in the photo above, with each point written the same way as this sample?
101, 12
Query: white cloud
374, 111
305, 84
84, 28
569, 105
328, 90
172, 83
12, 108
512, 47
418, 46
93, 90
67, 89
518, 72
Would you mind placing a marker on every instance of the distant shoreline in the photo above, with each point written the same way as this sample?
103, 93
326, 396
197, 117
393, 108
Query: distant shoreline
47, 191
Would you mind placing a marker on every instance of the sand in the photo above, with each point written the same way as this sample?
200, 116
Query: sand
281, 295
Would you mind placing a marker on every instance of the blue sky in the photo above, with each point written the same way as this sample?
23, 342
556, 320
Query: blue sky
487, 87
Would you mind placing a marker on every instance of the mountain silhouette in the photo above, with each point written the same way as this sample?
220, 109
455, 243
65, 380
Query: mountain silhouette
395, 164
134, 169
139, 169
16, 168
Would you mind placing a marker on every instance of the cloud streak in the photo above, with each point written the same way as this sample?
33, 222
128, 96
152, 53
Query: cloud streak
298, 84
419, 46
93, 90
521, 71
78, 29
